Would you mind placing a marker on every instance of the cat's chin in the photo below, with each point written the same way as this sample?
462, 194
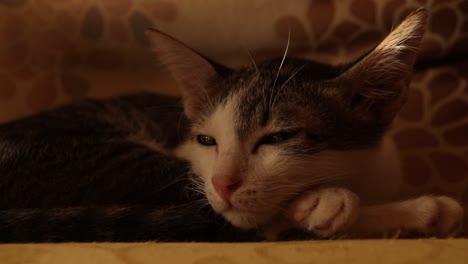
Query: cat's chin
245, 220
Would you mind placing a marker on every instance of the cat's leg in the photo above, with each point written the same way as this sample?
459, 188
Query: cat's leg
439, 216
325, 211
335, 211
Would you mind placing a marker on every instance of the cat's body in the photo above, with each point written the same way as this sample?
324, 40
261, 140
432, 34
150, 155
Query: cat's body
288, 144
72, 149
101, 171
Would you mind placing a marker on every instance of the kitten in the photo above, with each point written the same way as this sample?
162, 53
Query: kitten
290, 144
265, 137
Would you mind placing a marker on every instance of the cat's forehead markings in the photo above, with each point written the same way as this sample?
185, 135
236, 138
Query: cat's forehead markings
257, 98
255, 114
251, 109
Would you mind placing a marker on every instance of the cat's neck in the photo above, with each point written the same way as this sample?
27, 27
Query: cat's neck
376, 173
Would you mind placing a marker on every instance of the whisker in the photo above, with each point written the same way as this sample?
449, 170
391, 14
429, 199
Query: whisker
178, 125
253, 61
281, 64
292, 76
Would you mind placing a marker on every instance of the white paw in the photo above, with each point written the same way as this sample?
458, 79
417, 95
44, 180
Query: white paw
325, 211
439, 216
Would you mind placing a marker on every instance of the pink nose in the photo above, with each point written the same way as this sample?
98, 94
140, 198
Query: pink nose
226, 186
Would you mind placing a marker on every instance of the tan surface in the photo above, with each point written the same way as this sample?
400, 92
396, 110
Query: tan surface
363, 251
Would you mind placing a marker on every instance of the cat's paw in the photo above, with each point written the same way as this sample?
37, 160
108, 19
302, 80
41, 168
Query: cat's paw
325, 211
439, 216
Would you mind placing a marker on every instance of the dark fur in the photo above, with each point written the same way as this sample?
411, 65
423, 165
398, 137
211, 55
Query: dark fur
184, 222
80, 155
72, 175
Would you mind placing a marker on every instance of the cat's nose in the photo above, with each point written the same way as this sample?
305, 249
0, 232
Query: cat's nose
226, 186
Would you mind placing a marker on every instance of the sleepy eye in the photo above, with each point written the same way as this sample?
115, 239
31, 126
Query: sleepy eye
206, 140
278, 137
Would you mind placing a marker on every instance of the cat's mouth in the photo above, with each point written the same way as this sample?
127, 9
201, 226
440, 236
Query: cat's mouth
245, 219
229, 206
242, 217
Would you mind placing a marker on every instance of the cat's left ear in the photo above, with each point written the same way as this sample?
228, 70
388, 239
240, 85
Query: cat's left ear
192, 72
375, 87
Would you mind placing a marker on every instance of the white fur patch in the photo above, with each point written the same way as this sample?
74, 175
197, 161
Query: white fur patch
208, 161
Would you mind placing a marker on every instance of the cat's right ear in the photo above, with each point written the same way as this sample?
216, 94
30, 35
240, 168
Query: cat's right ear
377, 84
192, 72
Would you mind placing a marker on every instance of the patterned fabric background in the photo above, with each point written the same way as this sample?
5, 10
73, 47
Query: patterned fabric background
55, 51
52, 52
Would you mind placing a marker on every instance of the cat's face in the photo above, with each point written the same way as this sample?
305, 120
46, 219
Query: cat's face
262, 135
272, 141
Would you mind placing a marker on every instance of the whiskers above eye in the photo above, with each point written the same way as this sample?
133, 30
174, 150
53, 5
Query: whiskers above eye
284, 84
280, 67
253, 61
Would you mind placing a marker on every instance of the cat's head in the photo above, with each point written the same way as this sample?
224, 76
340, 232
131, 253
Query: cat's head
263, 134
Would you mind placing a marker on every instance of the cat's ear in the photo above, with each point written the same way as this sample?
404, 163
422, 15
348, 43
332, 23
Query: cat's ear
192, 72
376, 85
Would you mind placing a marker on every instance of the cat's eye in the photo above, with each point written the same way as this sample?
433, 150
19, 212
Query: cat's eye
279, 137
206, 140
